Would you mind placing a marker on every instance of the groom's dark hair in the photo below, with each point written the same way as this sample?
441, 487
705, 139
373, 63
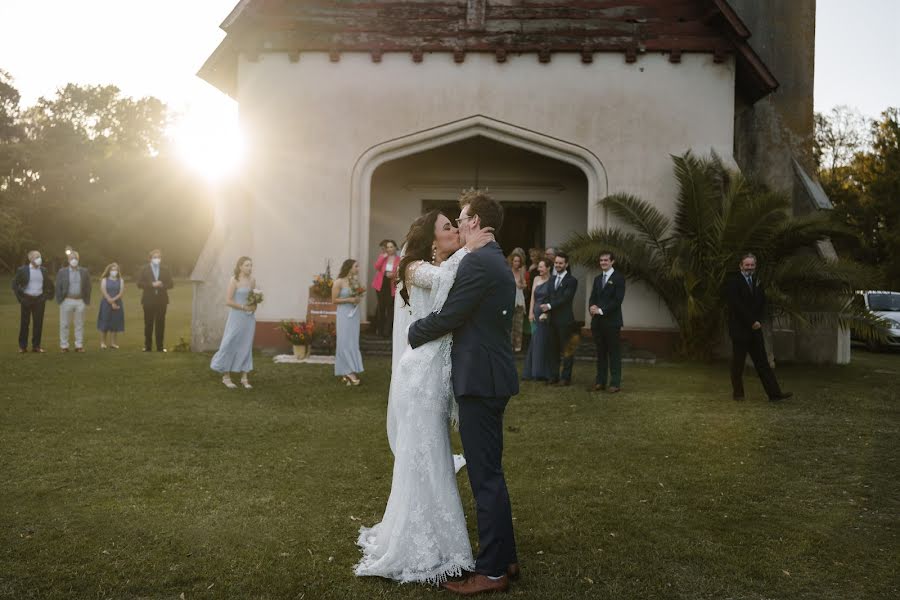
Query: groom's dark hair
483, 206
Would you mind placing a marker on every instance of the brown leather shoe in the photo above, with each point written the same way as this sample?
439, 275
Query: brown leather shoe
477, 584
39, 350
597, 387
22, 350
79, 349
613, 390
564, 382
513, 571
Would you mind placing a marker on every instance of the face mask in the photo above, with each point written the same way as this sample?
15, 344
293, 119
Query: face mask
156, 261
113, 274
38, 261
74, 262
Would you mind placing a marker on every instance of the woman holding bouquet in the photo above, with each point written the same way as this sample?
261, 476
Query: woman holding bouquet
346, 293
235, 354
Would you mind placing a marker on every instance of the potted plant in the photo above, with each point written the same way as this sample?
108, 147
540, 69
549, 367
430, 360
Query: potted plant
300, 335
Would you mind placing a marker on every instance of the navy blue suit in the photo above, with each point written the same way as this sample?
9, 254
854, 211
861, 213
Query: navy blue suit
479, 311
562, 326
605, 328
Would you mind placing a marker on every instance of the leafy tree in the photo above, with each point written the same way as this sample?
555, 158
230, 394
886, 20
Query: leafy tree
865, 190
94, 170
718, 216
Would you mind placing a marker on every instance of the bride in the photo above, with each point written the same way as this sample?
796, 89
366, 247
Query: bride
422, 536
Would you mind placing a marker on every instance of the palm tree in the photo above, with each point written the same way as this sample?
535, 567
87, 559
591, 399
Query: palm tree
719, 215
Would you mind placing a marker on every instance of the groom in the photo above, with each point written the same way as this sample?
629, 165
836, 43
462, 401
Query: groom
479, 311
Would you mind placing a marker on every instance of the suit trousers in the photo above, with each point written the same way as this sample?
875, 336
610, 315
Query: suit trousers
154, 318
756, 347
556, 343
481, 430
609, 355
70, 308
32, 314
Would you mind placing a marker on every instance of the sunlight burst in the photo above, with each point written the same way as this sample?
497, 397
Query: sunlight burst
210, 144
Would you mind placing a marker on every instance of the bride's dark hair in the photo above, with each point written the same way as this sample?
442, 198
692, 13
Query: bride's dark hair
418, 244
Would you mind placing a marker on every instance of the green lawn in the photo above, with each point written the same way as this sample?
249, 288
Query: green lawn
131, 475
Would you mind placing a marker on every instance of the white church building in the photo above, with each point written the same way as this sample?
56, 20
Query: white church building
360, 116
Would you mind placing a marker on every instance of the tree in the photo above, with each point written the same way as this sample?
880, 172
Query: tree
865, 190
94, 170
718, 216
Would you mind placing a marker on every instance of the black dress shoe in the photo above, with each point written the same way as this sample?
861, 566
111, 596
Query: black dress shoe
781, 396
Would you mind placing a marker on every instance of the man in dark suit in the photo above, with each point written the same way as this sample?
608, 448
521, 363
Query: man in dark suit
561, 320
32, 287
606, 323
746, 309
155, 280
478, 311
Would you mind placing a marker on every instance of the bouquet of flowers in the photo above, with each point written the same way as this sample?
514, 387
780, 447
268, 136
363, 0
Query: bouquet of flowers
298, 333
255, 297
358, 291
323, 281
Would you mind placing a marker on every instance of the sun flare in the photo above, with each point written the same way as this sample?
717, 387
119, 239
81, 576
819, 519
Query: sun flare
210, 144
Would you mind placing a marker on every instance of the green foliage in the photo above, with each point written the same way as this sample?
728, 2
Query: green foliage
719, 215
864, 185
91, 169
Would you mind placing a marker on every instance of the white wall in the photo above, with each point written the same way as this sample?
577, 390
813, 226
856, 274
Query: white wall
307, 124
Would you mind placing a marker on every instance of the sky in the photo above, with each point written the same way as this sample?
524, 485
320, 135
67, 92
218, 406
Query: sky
155, 48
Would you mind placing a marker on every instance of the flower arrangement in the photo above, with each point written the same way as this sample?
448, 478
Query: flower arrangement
255, 297
322, 282
298, 333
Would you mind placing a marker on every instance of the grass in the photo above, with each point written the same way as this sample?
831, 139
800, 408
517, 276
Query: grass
131, 475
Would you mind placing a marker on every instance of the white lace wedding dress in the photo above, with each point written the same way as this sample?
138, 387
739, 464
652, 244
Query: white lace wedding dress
422, 536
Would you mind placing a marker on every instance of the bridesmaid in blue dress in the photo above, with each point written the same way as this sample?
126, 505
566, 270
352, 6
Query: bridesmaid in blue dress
111, 318
235, 354
346, 294
536, 364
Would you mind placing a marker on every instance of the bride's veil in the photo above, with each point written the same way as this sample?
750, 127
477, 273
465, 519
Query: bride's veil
402, 321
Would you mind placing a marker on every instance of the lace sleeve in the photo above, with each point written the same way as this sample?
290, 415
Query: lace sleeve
422, 274
444, 279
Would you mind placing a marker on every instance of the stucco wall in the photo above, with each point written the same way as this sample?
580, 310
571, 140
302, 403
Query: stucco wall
308, 123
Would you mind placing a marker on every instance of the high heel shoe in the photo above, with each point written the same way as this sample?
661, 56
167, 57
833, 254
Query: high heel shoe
346, 380
228, 383
246, 383
354, 382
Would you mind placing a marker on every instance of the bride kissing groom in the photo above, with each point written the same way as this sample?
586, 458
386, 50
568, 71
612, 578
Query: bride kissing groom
458, 302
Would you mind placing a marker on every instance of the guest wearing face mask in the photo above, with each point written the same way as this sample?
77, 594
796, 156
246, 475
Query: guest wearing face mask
73, 294
155, 280
111, 318
32, 287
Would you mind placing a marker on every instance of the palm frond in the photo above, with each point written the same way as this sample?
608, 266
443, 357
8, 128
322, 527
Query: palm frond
643, 217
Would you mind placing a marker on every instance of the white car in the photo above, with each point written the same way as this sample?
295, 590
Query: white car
887, 306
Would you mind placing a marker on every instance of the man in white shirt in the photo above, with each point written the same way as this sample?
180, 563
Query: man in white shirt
32, 287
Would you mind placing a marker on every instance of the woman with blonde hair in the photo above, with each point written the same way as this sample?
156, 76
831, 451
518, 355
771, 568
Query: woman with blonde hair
111, 318
517, 265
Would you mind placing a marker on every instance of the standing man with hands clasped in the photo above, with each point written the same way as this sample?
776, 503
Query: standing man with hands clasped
156, 281
606, 323
32, 287
561, 319
746, 309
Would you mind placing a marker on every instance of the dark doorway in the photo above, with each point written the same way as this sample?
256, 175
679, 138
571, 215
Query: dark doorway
523, 222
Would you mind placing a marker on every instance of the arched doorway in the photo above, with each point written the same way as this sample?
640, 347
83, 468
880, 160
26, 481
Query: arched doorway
531, 173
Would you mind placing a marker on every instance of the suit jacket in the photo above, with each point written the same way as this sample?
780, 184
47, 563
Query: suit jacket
62, 285
479, 312
21, 279
380, 268
152, 295
609, 299
560, 301
745, 306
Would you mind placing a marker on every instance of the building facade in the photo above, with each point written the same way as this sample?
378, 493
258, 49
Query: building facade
360, 116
